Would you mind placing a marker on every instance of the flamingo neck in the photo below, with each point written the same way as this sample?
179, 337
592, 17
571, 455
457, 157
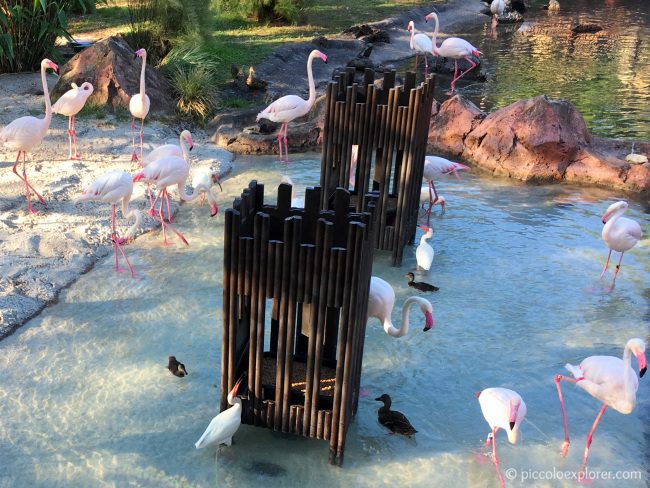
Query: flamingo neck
46, 94
390, 329
134, 212
186, 156
188, 197
628, 372
434, 37
310, 79
142, 73
412, 35
611, 222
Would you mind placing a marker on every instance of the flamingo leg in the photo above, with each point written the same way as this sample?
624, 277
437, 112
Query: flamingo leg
280, 141
606, 265
134, 156
74, 141
152, 209
142, 137
426, 66
416, 62
149, 192
114, 239
162, 222
565, 444
286, 146
590, 437
495, 458
70, 137
453, 81
169, 210
618, 267
473, 65
24, 176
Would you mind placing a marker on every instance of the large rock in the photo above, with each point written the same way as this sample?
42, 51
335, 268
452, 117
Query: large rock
115, 75
534, 139
455, 119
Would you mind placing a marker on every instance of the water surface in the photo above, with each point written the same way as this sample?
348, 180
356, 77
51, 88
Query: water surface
86, 399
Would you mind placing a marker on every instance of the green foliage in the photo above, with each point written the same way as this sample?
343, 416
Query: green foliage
196, 93
263, 10
29, 29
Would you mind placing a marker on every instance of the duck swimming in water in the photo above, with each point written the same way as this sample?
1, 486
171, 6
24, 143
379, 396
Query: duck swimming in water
419, 285
177, 368
392, 419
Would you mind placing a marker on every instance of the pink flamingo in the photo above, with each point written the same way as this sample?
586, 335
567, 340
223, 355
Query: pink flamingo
112, 187
168, 171
291, 107
454, 48
620, 234
608, 379
421, 44
381, 301
502, 409
70, 104
26, 132
139, 105
434, 167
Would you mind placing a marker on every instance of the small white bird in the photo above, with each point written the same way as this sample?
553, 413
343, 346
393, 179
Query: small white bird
139, 104
421, 44
620, 234
224, 425
424, 252
381, 300
70, 104
298, 202
608, 379
502, 409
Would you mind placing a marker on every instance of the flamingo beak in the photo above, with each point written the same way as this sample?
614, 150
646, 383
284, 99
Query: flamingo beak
213, 209
514, 408
606, 216
191, 145
643, 365
429, 322
138, 177
324, 58
54, 66
215, 179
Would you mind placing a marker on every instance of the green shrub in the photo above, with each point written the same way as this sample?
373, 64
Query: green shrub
196, 93
29, 29
263, 10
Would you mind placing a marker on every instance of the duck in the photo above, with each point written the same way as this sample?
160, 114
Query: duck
253, 82
392, 419
419, 285
176, 367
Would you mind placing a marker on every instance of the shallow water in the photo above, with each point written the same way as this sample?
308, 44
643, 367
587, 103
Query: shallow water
86, 400
606, 75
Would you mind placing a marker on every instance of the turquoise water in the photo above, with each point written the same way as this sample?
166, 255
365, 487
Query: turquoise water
86, 399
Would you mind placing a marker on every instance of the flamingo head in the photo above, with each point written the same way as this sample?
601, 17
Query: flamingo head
637, 346
139, 53
46, 63
214, 209
477, 53
411, 26
215, 180
233, 392
87, 88
432, 14
614, 207
514, 409
317, 53
428, 317
186, 135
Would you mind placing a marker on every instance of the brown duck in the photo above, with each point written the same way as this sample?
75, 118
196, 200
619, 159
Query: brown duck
392, 419
419, 285
176, 367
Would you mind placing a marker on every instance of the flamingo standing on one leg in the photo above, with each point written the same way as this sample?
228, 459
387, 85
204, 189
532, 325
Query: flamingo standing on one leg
291, 107
434, 167
424, 252
421, 44
112, 187
169, 150
168, 171
454, 48
70, 104
26, 132
620, 234
502, 409
139, 105
608, 379
381, 300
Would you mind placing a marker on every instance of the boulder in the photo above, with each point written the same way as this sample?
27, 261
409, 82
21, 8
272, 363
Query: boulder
532, 140
367, 33
439, 64
115, 76
456, 118
586, 28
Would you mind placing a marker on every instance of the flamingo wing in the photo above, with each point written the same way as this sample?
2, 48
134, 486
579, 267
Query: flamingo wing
381, 298
163, 151
23, 133
455, 47
436, 166
422, 43
109, 187
284, 109
70, 102
166, 171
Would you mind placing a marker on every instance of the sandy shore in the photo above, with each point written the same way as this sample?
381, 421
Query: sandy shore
43, 254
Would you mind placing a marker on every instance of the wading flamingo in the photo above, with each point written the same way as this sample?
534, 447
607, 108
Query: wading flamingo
425, 198
434, 167
620, 234
225, 425
421, 44
454, 48
169, 150
424, 252
291, 107
381, 300
207, 179
112, 187
168, 171
139, 105
497, 7
502, 409
70, 104
608, 379
26, 132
